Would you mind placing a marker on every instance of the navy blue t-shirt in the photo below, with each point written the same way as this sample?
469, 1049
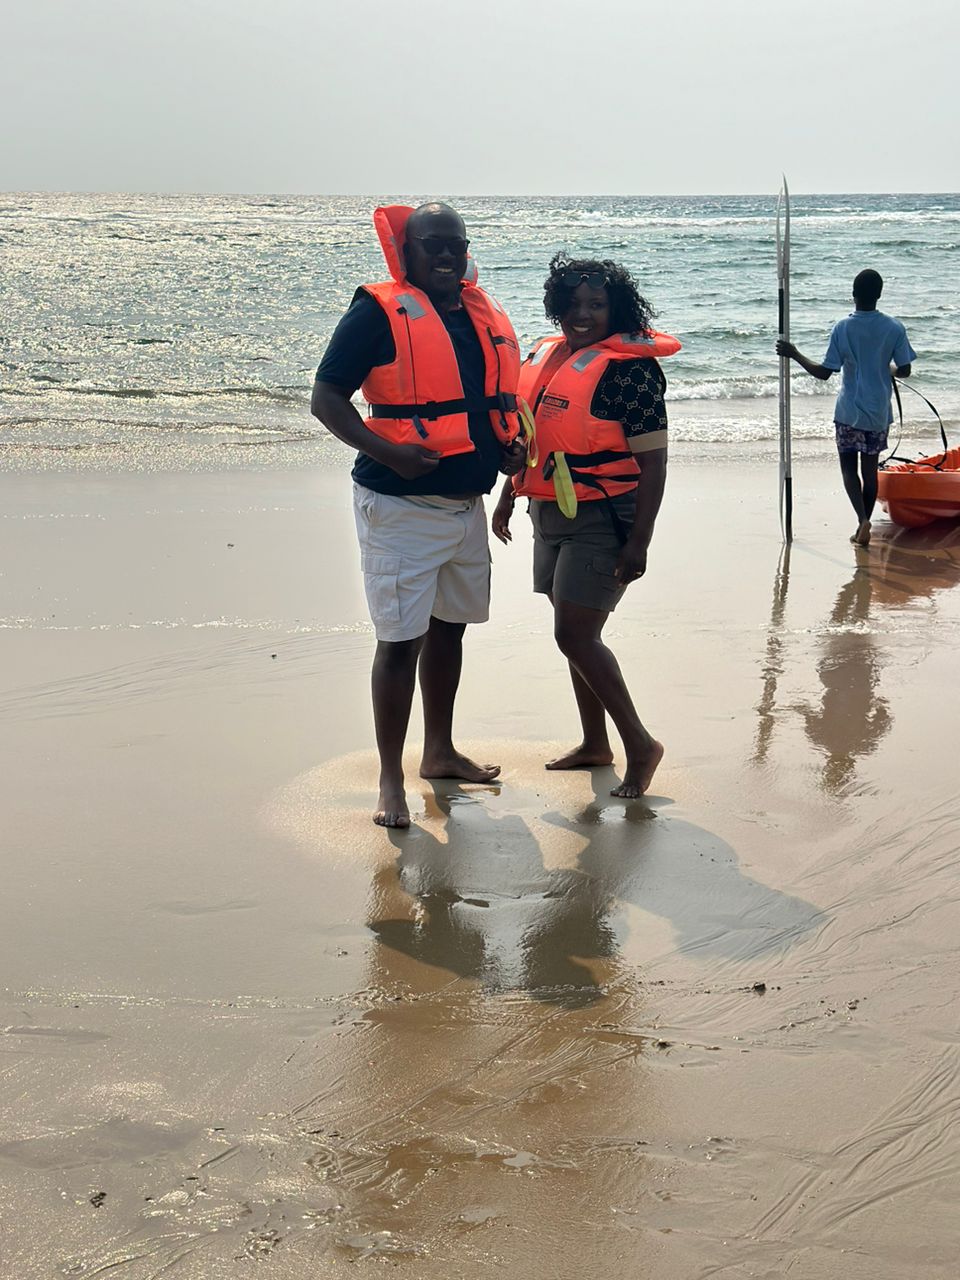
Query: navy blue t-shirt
363, 340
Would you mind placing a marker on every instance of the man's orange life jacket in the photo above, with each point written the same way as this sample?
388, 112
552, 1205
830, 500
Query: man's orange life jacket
418, 398
573, 445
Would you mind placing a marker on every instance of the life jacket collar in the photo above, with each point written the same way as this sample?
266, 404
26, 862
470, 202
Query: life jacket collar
390, 222
649, 343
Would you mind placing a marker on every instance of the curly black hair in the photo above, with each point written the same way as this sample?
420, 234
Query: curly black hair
630, 312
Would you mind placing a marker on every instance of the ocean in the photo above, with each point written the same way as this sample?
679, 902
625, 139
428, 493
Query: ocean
153, 331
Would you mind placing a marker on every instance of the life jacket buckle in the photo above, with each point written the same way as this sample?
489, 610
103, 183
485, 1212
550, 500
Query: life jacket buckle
418, 426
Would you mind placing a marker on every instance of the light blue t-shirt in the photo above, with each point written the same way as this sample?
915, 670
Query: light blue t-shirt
863, 346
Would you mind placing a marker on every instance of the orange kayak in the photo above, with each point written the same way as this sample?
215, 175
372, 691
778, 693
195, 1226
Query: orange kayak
916, 493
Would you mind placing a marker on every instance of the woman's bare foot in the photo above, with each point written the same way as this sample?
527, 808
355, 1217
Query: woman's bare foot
639, 773
582, 757
862, 537
392, 808
455, 765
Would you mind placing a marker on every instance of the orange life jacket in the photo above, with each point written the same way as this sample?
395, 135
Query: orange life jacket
418, 398
559, 386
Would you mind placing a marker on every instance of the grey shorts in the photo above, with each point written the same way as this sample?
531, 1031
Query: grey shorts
422, 558
574, 560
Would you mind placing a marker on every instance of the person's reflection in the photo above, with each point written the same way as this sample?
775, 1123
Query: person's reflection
481, 903
852, 716
898, 570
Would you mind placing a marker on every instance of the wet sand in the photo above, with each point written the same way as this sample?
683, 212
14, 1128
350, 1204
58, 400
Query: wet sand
710, 1033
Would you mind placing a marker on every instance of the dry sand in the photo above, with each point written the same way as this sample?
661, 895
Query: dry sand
713, 1033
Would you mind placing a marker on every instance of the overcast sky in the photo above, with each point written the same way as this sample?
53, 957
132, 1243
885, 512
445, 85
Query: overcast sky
503, 97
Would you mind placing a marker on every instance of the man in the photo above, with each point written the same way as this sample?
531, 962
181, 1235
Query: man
868, 346
438, 362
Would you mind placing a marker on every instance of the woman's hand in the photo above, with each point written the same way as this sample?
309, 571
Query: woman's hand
631, 563
500, 520
786, 350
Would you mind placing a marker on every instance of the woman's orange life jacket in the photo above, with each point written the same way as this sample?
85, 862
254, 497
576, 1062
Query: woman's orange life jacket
559, 385
418, 398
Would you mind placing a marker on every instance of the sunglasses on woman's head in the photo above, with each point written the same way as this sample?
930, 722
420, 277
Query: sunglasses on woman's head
595, 279
434, 245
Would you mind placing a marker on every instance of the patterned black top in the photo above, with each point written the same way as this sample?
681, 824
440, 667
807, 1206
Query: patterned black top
631, 393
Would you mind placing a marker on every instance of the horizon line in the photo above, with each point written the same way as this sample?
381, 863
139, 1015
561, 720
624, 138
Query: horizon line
463, 195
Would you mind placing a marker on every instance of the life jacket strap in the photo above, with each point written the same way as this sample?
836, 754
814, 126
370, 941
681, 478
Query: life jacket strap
620, 528
893, 456
597, 459
574, 476
506, 402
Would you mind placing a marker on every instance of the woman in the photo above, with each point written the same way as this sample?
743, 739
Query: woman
595, 481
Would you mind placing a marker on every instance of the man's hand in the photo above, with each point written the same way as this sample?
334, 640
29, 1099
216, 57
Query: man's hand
513, 458
785, 348
332, 405
411, 461
631, 564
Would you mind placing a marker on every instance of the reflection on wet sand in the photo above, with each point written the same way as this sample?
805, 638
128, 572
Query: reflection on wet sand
481, 904
914, 564
477, 899
895, 573
773, 659
852, 716
508, 1064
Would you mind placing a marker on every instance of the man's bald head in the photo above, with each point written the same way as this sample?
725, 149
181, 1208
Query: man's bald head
423, 219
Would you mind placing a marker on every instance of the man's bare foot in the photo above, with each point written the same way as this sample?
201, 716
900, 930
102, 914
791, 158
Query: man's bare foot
454, 765
392, 808
639, 773
862, 537
582, 757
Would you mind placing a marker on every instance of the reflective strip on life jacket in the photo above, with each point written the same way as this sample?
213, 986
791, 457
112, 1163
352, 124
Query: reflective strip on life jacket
542, 350
585, 358
411, 306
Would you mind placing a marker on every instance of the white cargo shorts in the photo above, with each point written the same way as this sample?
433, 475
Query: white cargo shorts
422, 558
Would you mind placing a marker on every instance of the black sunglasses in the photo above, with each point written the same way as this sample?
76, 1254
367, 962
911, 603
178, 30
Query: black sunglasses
434, 245
571, 279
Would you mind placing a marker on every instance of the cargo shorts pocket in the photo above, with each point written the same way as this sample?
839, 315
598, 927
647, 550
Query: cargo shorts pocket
601, 581
381, 580
604, 567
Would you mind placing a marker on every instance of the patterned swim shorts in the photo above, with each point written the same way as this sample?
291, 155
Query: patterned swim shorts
854, 440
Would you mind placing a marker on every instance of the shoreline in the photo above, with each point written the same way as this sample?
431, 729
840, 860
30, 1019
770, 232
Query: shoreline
271, 451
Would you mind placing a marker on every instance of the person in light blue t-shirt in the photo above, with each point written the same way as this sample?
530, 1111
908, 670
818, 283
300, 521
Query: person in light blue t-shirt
870, 348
